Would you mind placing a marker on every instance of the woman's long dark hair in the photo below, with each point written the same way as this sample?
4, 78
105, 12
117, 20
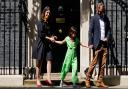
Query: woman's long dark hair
43, 12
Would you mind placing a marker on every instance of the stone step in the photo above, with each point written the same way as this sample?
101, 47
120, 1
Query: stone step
55, 79
109, 80
11, 80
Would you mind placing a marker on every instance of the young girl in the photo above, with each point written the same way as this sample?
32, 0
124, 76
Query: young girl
71, 55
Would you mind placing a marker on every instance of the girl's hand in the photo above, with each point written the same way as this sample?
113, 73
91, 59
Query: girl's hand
84, 45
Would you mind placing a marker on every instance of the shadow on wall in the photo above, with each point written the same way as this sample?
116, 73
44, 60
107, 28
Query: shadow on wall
32, 32
85, 12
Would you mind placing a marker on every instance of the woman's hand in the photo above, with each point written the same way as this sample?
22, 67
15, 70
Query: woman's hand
52, 39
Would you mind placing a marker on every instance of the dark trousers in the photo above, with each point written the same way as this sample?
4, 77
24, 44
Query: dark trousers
101, 51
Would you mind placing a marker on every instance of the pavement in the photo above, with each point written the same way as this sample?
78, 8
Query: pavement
30, 84
66, 87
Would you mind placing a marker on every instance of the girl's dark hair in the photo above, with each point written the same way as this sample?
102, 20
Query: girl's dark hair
72, 30
43, 12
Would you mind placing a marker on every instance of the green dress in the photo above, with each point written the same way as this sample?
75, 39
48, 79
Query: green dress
70, 60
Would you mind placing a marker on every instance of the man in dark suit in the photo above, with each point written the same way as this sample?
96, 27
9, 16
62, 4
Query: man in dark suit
99, 31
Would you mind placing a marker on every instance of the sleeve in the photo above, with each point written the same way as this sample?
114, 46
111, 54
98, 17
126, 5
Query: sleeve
40, 29
91, 30
66, 39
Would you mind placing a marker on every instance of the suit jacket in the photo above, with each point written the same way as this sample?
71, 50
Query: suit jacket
95, 31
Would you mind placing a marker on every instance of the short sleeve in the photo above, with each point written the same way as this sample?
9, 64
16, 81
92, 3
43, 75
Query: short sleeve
67, 38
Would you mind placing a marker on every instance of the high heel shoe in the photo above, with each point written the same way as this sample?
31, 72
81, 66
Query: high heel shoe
38, 85
48, 83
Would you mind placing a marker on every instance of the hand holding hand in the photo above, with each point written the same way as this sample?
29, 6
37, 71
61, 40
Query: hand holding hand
90, 46
55, 37
52, 39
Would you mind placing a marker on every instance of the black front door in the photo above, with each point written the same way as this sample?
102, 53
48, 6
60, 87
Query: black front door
64, 14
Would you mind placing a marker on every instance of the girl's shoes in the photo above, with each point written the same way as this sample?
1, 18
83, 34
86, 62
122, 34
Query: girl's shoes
48, 83
61, 83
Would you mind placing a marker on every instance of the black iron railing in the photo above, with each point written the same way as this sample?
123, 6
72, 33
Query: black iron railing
13, 46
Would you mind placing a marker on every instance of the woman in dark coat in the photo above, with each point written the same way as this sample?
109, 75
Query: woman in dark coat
42, 46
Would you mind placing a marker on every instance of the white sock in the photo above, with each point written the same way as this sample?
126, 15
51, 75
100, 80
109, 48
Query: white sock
61, 83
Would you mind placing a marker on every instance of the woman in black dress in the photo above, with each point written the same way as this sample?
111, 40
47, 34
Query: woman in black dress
42, 46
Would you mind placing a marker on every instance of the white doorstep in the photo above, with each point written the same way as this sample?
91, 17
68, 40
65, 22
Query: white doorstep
11, 80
